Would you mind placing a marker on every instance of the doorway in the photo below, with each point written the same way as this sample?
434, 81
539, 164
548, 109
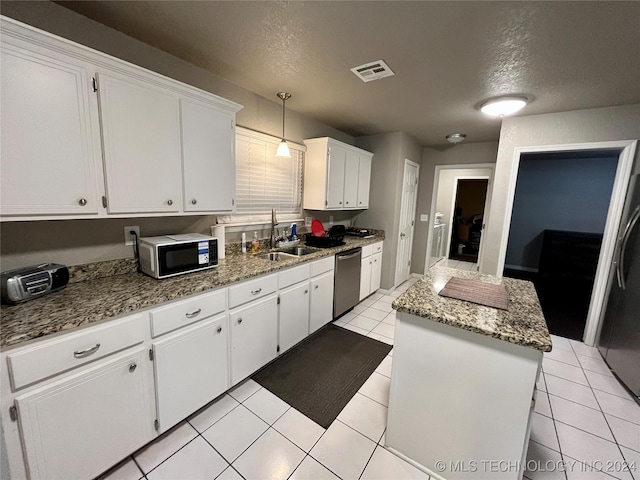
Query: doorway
445, 183
626, 151
557, 225
467, 219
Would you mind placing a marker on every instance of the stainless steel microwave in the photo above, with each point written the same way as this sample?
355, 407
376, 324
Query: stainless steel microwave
170, 255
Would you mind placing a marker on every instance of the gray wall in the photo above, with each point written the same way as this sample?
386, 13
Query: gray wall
387, 169
464, 153
557, 194
580, 126
76, 242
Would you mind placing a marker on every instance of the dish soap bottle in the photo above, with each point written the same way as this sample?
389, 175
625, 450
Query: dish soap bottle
244, 242
255, 245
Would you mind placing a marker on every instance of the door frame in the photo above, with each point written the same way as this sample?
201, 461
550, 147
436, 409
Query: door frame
434, 198
413, 226
453, 206
627, 150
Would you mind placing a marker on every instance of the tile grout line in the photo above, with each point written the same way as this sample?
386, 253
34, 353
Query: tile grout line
553, 419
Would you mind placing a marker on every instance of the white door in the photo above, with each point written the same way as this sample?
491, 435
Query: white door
254, 337
293, 316
50, 153
87, 422
141, 135
321, 305
208, 158
407, 217
335, 177
190, 369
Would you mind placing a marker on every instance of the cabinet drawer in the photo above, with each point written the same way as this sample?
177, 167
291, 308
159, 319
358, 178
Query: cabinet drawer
186, 312
293, 275
321, 266
367, 250
252, 290
73, 350
377, 247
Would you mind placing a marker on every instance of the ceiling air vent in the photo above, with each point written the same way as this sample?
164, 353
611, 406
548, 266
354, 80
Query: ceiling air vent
372, 71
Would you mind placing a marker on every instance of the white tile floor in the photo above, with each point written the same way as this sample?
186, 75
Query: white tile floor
583, 417
459, 264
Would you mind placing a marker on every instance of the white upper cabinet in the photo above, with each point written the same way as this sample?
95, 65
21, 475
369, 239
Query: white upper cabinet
50, 151
336, 175
138, 144
141, 137
208, 157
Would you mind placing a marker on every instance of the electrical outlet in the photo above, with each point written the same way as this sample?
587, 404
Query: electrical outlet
424, 217
128, 238
330, 220
307, 221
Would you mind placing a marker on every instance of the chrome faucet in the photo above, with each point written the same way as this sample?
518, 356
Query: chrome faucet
274, 222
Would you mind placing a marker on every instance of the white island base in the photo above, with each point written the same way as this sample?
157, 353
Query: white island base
460, 402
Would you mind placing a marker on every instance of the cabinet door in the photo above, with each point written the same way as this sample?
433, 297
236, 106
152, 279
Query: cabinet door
364, 181
254, 337
141, 137
50, 153
80, 426
208, 157
351, 180
321, 306
191, 369
335, 177
365, 277
293, 316
376, 271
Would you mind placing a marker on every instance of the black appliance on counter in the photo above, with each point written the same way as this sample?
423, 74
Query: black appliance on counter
334, 238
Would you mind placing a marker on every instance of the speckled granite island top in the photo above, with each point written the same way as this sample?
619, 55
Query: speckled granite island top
522, 324
91, 301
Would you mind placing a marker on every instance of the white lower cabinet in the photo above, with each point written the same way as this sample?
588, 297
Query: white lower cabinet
321, 302
81, 425
371, 269
293, 325
191, 369
254, 337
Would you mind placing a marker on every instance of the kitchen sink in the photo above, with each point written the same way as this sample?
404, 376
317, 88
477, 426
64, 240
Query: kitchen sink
298, 251
275, 256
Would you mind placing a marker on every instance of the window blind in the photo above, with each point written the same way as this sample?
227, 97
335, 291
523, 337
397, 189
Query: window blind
264, 181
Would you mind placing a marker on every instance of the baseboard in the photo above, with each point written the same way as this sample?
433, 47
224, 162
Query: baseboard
521, 268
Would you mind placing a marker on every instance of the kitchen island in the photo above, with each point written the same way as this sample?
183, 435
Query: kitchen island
463, 379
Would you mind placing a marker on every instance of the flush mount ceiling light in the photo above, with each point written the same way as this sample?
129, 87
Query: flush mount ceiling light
503, 106
283, 148
456, 137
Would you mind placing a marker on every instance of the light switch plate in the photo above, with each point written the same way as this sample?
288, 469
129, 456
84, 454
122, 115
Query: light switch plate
307, 221
424, 217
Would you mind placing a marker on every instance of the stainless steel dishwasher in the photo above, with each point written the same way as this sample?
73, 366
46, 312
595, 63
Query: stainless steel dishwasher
346, 292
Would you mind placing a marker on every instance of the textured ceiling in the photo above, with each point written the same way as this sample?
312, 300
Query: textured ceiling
447, 56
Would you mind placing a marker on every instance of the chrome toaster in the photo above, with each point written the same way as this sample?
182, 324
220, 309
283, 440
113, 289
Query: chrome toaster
27, 283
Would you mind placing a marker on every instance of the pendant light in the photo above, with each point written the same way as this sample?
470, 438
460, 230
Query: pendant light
283, 148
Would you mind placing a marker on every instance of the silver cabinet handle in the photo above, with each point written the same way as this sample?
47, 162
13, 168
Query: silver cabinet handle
86, 352
219, 329
360, 203
195, 313
306, 291
339, 203
316, 287
239, 321
82, 202
132, 367
402, 235
169, 202
194, 201
256, 292
347, 203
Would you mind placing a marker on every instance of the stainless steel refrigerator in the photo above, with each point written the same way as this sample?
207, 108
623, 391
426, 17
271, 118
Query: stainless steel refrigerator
619, 341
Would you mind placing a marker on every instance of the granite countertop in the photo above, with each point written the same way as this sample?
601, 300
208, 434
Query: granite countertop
90, 301
522, 324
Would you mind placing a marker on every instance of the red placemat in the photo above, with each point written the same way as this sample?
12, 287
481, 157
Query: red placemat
475, 291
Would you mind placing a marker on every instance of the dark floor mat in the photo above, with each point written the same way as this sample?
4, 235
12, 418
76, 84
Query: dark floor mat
319, 376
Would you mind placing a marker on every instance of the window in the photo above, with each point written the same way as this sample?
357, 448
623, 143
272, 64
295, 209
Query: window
264, 182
